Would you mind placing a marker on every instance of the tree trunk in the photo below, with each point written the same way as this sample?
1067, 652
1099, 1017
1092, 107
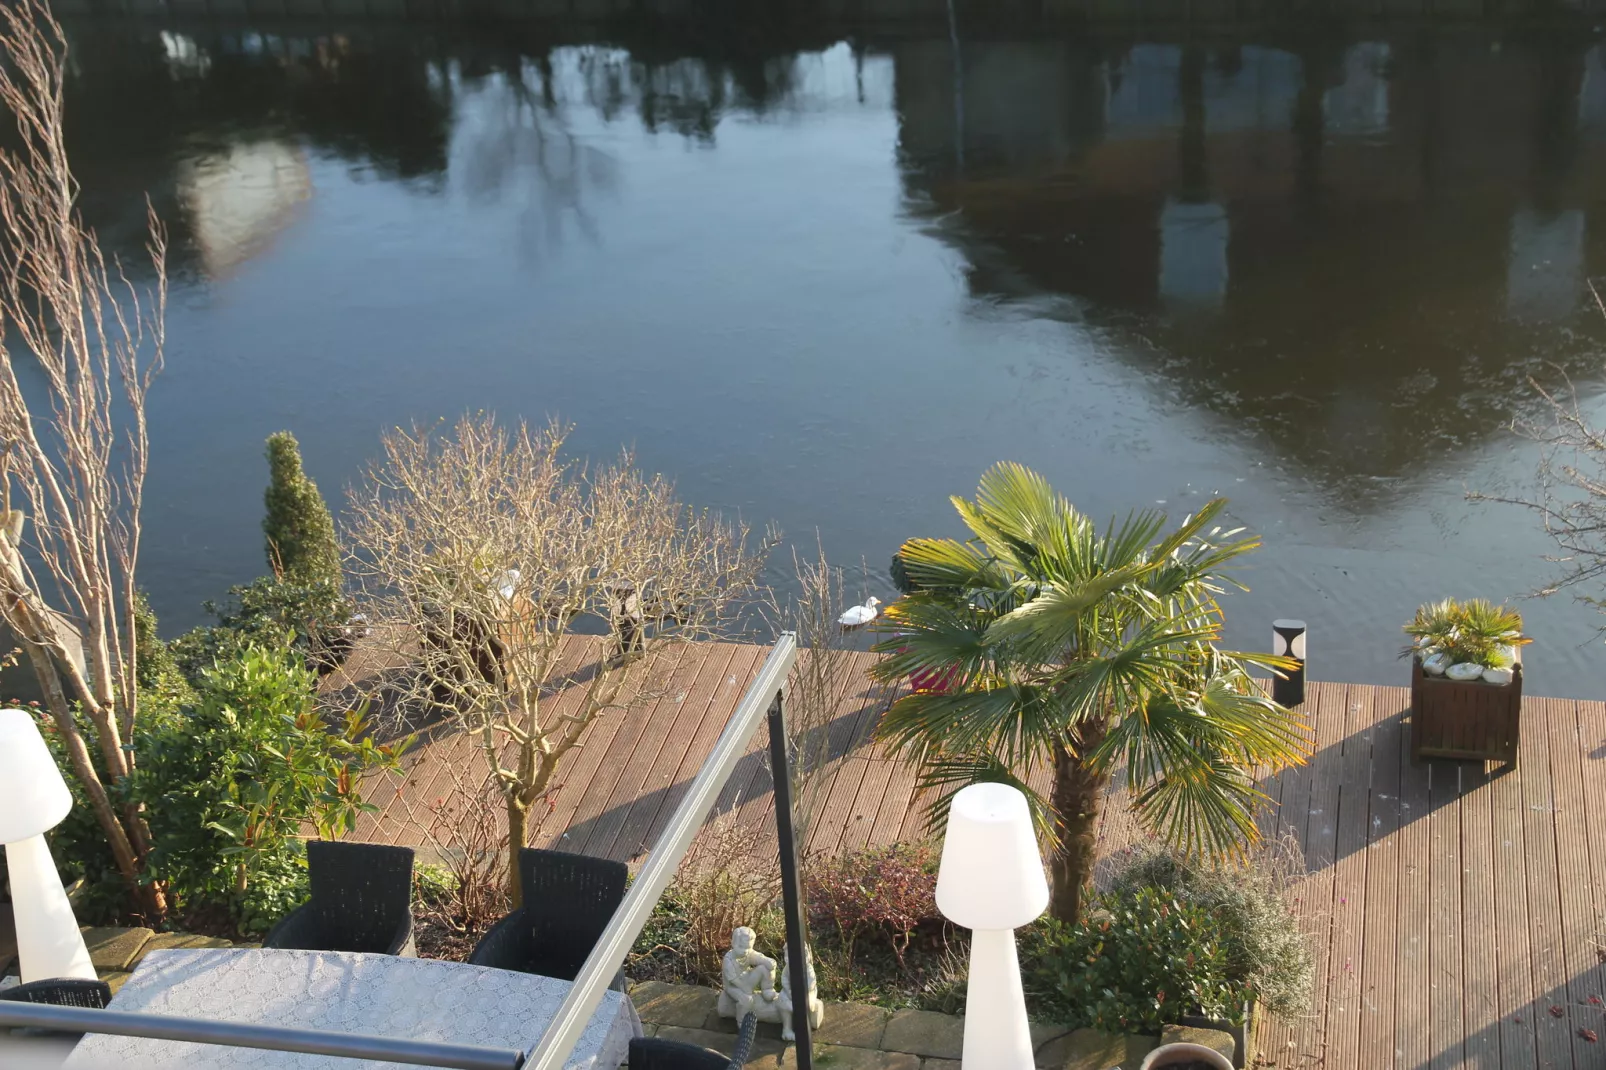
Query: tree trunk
129, 848
518, 827
1077, 795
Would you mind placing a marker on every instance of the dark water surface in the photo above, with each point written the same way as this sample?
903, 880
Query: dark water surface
827, 282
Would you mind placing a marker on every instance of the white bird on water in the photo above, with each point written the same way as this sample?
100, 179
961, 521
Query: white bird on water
859, 616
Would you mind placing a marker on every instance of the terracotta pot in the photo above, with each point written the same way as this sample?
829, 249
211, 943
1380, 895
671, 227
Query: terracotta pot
1178, 1054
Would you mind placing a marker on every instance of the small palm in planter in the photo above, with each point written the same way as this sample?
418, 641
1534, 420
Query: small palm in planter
1466, 680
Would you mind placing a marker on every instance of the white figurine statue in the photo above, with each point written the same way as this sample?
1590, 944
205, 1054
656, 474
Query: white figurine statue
748, 981
816, 1008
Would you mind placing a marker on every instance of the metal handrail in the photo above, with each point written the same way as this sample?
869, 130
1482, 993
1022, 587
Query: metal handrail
272, 1037
608, 955
605, 960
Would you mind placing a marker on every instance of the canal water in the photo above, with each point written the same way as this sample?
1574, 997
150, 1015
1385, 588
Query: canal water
825, 279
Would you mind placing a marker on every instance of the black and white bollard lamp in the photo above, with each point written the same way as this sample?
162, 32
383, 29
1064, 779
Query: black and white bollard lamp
1288, 641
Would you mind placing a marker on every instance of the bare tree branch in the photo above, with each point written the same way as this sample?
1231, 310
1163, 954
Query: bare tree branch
1571, 497
74, 461
480, 550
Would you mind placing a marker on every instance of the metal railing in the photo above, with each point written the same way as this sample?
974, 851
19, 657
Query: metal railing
765, 698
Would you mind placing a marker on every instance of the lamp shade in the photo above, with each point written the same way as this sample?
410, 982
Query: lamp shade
991, 876
33, 797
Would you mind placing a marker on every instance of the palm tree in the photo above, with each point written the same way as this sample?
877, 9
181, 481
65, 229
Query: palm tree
1085, 649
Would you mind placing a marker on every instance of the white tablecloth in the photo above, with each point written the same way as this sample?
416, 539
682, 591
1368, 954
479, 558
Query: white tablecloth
380, 995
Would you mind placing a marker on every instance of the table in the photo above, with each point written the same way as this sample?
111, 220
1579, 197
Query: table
383, 995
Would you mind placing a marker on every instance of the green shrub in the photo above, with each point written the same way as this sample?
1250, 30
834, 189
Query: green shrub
1140, 960
1476, 631
433, 886
300, 534
1268, 957
312, 617
163, 688
229, 785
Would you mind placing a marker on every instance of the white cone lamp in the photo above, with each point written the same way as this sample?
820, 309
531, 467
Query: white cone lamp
33, 800
991, 882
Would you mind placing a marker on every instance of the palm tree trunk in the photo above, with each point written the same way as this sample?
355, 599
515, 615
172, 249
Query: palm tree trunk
1077, 795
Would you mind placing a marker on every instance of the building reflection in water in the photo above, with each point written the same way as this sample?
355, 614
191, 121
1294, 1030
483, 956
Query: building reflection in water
1358, 106
1545, 273
240, 198
1309, 228
1364, 235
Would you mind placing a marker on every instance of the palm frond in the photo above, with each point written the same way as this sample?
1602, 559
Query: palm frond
1049, 626
928, 633
952, 566
944, 774
1206, 807
1012, 721
1189, 528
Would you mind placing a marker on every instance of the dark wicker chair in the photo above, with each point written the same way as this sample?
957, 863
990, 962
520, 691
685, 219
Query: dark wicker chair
654, 1053
361, 901
568, 902
58, 992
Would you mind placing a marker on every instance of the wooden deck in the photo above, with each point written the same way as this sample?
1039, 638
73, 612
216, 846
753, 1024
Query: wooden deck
1458, 914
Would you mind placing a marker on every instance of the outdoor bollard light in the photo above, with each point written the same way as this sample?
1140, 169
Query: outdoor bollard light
33, 800
991, 882
1288, 641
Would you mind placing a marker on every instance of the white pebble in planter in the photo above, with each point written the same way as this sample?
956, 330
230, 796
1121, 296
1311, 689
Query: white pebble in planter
1466, 670
1435, 663
1497, 676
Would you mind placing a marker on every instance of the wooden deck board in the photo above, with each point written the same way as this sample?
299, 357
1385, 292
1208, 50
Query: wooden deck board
1514, 963
1278, 1039
1413, 1034
1450, 908
1592, 770
1446, 969
1349, 883
867, 806
670, 780
1544, 895
849, 747
668, 722
1312, 1042
1383, 898
1480, 952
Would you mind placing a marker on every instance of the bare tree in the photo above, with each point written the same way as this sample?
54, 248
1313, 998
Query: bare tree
820, 679
1571, 497
480, 551
73, 450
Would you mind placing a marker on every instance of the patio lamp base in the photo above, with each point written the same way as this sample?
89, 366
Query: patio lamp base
997, 1035
48, 941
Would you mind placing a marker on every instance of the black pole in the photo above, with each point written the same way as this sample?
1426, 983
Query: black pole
797, 959
1288, 640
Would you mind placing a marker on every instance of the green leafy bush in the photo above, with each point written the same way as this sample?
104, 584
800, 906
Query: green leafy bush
1140, 960
299, 532
163, 688
433, 886
313, 617
229, 785
1269, 959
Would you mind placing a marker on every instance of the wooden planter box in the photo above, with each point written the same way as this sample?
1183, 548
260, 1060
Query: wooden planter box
1470, 720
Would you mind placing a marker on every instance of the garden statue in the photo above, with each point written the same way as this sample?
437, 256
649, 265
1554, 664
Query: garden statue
816, 1008
748, 981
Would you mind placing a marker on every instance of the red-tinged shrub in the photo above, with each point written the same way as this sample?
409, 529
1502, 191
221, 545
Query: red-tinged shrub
888, 891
